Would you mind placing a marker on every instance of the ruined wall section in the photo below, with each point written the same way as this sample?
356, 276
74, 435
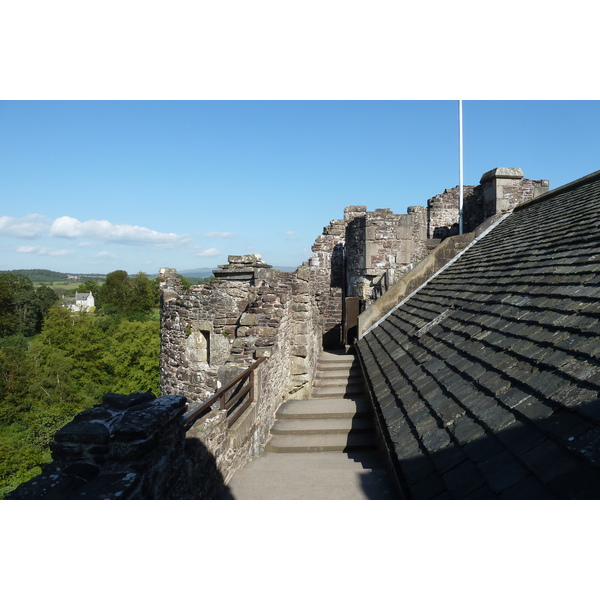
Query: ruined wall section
499, 191
442, 211
260, 312
281, 323
380, 247
197, 332
327, 273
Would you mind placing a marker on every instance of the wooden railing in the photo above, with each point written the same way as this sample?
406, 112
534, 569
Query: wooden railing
235, 397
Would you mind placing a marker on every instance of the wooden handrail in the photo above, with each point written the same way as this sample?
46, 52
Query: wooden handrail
247, 388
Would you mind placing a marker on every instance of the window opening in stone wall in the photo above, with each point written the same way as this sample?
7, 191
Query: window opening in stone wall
198, 346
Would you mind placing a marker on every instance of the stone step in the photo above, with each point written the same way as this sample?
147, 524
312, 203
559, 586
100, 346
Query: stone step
336, 355
338, 383
337, 391
337, 364
320, 442
324, 408
352, 377
338, 372
330, 425
345, 361
321, 448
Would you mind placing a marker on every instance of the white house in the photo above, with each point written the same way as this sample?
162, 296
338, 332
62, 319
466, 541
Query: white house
83, 302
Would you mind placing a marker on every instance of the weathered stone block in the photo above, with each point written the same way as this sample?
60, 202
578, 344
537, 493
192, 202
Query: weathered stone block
301, 327
83, 432
62, 451
121, 401
299, 350
248, 319
298, 365
301, 340
300, 307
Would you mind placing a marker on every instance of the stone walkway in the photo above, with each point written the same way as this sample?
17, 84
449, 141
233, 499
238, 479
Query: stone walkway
324, 448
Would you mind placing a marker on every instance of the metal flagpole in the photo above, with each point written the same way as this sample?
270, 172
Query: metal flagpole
460, 169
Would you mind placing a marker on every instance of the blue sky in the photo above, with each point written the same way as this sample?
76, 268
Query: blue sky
93, 186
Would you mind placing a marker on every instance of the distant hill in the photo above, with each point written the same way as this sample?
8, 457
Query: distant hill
49, 277
287, 269
201, 273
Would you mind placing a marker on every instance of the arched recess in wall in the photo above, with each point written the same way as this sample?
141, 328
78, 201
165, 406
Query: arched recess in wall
197, 348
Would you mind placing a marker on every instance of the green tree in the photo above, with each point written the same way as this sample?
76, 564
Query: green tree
14, 378
19, 313
46, 299
133, 357
19, 461
115, 291
145, 295
23, 307
72, 337
27, 316
7, 306
125, 296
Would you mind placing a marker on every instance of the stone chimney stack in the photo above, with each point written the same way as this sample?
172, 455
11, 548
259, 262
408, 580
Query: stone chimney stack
504, 188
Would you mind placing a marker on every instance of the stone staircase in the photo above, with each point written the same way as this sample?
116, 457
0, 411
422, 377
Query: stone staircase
337, 418
324, 448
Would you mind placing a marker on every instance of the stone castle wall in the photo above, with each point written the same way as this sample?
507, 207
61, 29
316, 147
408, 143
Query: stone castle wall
381, 247
499, 191
210, 333
327, 278
213, 332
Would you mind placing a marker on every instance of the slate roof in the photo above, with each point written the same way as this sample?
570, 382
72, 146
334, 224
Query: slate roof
487, 379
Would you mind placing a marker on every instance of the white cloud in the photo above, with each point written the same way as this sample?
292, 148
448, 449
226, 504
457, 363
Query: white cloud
69, 227
42, 250
208, 252
291, 235
31, 226
218, 234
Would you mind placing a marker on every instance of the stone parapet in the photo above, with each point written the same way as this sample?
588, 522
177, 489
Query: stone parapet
129, 447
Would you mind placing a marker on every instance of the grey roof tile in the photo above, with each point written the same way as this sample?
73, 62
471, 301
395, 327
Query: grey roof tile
428, 487
528, 489
449, 457
463, 479
417, 468
466, 430
483, 449
502, 470
488, 378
